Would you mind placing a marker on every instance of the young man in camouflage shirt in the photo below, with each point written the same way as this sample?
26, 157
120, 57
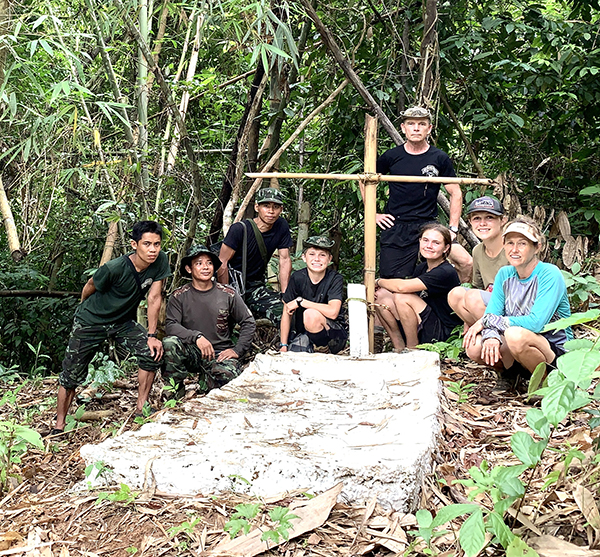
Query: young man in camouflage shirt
200, 319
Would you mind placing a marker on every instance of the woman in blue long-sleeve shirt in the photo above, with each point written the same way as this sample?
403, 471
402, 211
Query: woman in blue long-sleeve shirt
528, 294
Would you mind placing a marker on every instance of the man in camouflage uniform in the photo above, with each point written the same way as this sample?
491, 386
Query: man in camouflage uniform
264, 234
108, 308
200, 319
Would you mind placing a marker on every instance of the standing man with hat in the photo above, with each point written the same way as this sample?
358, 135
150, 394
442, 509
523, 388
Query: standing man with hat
313, 302
268, 232
412, 204
200, 319
487, 219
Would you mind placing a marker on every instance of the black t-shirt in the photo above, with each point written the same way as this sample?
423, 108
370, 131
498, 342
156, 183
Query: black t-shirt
410, 200
278, 237
330, 287
439, 281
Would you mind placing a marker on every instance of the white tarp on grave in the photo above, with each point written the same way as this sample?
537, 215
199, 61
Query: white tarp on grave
294, 421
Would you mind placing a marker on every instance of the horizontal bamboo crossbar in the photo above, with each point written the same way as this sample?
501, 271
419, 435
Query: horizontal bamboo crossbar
375, 177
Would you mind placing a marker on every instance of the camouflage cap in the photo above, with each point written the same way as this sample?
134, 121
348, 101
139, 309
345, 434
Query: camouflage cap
269, 195
416, 112
194, 252
321, 242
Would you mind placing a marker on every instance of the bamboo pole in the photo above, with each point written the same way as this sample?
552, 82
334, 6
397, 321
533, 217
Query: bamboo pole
9, 224
373, 176
370, 223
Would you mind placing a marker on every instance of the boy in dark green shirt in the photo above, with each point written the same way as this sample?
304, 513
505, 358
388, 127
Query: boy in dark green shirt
109, 303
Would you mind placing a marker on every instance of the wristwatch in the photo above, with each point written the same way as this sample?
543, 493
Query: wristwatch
152, 335
453, 229
299, 301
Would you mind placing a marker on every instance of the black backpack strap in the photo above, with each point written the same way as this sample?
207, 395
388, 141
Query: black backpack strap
260, 241
245, 251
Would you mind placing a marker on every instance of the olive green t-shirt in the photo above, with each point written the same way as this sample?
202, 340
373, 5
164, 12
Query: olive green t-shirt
118, 295
485, 267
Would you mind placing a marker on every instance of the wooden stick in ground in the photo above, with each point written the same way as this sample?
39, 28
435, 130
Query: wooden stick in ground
370, 222
373, 176
256, 184
9, 224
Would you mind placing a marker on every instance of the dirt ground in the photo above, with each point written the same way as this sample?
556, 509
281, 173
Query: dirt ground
41, 515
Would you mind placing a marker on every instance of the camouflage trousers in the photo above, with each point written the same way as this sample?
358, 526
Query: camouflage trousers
264, 301
182, 359
86, 340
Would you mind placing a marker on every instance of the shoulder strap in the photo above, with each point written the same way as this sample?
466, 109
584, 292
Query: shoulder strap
136, 275
260, 241
244, 252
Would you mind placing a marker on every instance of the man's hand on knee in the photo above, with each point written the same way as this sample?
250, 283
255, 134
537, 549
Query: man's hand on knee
156, 348
205, 347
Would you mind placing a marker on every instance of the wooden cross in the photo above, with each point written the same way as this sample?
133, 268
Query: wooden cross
370, 178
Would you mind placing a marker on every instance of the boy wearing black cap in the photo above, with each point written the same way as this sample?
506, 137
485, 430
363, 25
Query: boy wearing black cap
487, 219
200, 319
313, 302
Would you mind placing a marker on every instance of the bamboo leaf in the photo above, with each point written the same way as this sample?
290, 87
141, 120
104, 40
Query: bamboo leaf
47, 47
575, 319
39, 21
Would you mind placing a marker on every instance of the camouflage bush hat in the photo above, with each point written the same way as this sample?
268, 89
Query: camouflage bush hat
486, 204
194, 252
416, 112
269, 195
321, 242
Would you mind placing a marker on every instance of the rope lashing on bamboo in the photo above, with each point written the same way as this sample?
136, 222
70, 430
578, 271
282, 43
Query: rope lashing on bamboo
370, 305
370, 177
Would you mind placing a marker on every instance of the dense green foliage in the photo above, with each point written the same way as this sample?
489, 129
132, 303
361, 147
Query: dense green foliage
521, 78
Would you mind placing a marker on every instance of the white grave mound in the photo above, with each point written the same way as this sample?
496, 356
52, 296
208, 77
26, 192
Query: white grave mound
295, 421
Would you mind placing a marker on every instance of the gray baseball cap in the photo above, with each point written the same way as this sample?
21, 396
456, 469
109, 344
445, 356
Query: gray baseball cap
486, 204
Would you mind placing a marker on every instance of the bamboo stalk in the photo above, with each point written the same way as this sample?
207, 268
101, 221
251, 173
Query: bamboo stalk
370, 222
9, 224
373, 176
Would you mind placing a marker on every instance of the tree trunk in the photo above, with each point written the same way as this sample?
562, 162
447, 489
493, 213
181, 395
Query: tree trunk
109, 244
429, 76
142, 105
229, 179
303, 225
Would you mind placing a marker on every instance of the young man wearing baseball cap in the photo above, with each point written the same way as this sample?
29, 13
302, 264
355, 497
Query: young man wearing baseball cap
268, 232
313, 302
487, 219
200, 319
528, 294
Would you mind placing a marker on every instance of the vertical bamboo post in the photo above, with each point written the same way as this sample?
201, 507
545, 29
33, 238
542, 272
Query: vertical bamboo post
9, 224
370, 212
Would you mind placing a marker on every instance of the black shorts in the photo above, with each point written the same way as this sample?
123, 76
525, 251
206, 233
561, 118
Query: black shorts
399, 249
430, 328
335, 337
